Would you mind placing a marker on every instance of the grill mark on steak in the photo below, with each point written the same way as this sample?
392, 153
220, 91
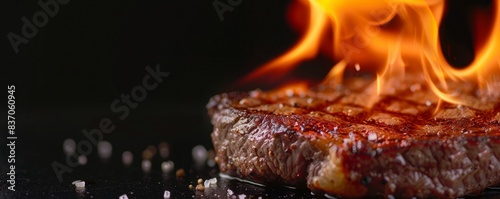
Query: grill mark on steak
329, 139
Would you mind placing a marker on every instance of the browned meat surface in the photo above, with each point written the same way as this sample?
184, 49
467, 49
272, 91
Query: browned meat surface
344, 142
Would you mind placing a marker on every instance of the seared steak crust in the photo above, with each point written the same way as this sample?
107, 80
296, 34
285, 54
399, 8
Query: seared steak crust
343, 141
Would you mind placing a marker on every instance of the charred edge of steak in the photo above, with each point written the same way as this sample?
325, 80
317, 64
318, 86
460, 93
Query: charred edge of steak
366, 154
246, 148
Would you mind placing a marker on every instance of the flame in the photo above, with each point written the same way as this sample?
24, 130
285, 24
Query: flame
307, 48
394, 37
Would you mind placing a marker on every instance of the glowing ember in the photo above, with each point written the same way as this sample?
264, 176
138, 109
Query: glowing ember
394, 38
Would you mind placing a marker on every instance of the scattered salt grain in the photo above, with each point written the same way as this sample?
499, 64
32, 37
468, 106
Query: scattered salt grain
357, 67
167, 166
428, 103
166, 194
127, 158
124, 196
199, 154
200, 187
211, 162
180, 173
78, 183
146, 166
69, 146
104, 149
230, 192
164, 150
151, 148
213, 181
147, 154
242, 196
79, 186
82, 160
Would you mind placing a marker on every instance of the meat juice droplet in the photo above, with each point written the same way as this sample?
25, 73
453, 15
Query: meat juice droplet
372, 136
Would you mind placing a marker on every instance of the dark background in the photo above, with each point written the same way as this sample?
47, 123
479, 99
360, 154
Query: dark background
91, 52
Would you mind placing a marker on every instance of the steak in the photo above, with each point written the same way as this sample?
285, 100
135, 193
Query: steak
344, 141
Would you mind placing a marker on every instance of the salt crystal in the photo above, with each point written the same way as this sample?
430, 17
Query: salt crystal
78, 183
200, 187
166, 194
146, 166
211, 163
242, 196
124, 196
127, 158
428, 103
199, 154
82, 160
210, 182
180, 173
104, 149
213, 181
147, 154
163, 149
357, 66
230, 192
69, 146
167, 166
151, 148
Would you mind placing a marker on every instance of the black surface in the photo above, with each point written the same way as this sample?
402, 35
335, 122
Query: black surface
90, 52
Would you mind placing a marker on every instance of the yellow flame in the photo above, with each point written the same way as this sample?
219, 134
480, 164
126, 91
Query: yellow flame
393, 36
307, 47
